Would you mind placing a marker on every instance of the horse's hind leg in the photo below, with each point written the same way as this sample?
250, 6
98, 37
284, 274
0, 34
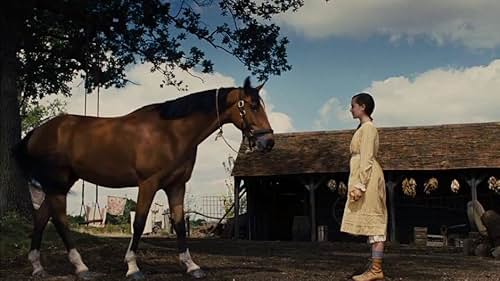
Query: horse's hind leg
175, 196
40, 219
60, 220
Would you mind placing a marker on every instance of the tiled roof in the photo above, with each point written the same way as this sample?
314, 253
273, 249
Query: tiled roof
441, 147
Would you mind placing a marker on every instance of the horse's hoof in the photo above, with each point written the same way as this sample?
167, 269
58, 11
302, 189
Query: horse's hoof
87, 275
40, 274
136, 276
197, 273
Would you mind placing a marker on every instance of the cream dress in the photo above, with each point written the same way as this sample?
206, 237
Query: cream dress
368, 215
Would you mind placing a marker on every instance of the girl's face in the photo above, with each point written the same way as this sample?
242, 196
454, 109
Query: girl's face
357, 110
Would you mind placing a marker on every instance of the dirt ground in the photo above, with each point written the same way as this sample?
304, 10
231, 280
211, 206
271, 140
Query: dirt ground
245, 261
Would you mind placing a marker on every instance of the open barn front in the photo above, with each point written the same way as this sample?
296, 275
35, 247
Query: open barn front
279, 208
443, 211
439, 181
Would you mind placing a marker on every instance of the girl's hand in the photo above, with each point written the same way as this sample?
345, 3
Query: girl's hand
355, 195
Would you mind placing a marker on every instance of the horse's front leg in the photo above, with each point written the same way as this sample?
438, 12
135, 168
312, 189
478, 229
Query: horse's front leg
175, 196
147, 191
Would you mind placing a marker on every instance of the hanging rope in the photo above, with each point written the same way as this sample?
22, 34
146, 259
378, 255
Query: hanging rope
96, 205
85, 90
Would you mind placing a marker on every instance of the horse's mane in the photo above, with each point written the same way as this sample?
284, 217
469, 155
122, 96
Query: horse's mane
203, 102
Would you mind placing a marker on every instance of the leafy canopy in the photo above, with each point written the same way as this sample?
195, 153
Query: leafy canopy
97, 39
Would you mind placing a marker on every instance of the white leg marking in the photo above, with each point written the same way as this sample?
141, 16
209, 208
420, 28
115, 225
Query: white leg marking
130, 259
37, 194
187, 261
34, 258
75, 258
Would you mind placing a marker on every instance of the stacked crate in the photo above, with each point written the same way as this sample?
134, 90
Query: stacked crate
420, 236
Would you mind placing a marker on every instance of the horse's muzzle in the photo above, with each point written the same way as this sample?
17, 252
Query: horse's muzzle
264, 142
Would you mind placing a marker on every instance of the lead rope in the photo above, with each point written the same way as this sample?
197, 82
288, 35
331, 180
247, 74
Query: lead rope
220, 134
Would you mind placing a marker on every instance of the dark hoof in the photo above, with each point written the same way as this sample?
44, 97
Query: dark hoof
136, 276
40, 275
197, 274
496, 253
88, 275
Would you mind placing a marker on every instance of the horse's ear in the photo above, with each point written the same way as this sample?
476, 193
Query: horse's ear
247, 85
261, 86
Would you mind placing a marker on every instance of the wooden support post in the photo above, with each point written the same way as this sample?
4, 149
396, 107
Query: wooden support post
237, 182
391, 188
249, 211
473, 181
312, 205
311, 186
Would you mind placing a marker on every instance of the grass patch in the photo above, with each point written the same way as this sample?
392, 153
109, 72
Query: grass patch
15, 237
107, 229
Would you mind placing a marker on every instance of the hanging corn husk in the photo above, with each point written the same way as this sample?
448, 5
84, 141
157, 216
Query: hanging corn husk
430, 185
409, 187
494, 184
342, 189
332, 185
455, 186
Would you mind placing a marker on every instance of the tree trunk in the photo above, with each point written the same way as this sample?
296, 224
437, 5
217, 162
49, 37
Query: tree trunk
14, 194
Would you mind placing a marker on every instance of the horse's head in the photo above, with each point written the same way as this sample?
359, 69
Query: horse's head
249, 115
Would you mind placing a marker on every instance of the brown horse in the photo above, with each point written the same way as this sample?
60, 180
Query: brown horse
153, 147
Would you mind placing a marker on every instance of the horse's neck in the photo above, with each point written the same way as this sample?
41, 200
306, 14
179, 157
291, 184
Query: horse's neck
197, 127
208, 124
202, 126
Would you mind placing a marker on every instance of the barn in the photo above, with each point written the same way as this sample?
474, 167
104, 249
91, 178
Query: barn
302, 181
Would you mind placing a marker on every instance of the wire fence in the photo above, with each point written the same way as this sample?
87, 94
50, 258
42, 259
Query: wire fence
214, 207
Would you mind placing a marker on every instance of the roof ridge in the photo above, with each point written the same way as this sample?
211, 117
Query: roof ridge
450, 125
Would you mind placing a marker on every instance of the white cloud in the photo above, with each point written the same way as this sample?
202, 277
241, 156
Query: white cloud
471, 23
332, 115
438, 96
209, 174
280, 122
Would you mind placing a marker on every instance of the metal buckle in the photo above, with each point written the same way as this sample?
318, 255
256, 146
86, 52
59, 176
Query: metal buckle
241, 103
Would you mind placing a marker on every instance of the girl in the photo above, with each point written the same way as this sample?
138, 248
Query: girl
365, 212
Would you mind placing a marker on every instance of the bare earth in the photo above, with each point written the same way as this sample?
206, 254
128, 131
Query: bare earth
244, 260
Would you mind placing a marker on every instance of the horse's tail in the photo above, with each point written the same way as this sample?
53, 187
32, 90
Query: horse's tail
21, 156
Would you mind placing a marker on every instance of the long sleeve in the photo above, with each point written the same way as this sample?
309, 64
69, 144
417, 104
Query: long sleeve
367, 157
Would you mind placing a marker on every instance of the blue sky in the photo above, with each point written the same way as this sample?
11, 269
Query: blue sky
425, 62
341, 67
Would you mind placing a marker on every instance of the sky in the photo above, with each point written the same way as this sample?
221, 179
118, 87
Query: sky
425, 62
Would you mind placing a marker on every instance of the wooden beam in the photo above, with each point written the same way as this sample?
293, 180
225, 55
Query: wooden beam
312, 204
473, 181
311, 185
250, 209
237, 182
391, 190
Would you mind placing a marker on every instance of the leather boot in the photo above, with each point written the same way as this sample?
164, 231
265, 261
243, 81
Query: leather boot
373, 273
